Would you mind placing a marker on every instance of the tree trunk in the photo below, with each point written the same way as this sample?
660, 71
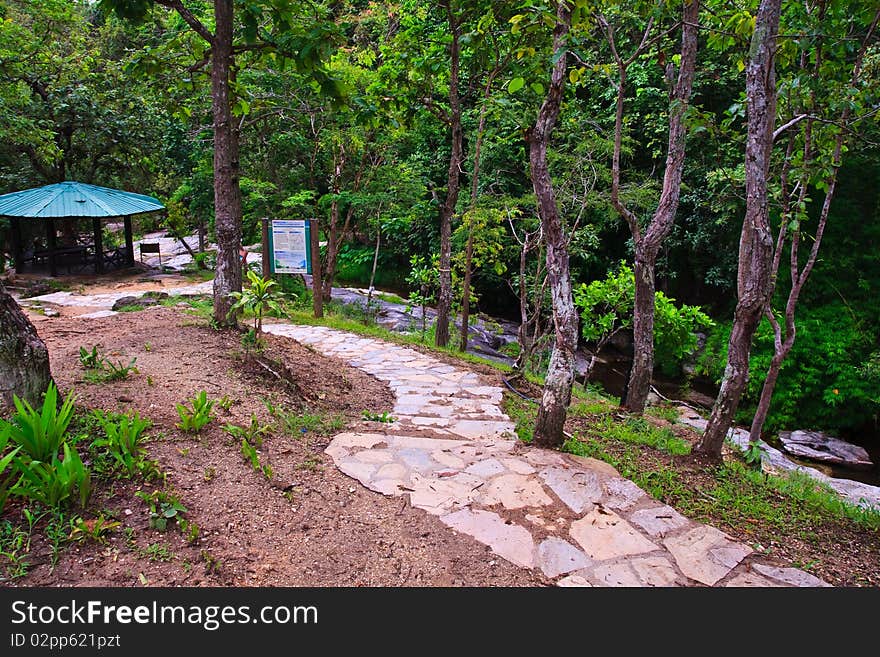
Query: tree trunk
24, 359
227, 194
333, 228
556, 395
466, 292
756, 241
767, 389
444, 298
639, 383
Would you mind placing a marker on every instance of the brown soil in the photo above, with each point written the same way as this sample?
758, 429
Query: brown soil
309, 526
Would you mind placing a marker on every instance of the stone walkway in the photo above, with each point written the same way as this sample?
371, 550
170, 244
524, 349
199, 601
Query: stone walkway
452, 452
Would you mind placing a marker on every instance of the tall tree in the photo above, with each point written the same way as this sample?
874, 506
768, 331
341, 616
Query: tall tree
453, 184
556, 394
24, 359
267, 28
793, 209
227, 193
647, 241
754, 284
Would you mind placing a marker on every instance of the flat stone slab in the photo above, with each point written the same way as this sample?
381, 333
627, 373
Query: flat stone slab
514, 491
790, 576
605, 535
622, 494
706, 554
751, 580
574, 581
512, 542
819, 446
577, 488
558, 557
647, 571
659, 521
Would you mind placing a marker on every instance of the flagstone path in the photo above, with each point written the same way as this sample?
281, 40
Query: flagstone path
453, 452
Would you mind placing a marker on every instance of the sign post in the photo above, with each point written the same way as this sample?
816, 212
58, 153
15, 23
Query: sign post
291, 246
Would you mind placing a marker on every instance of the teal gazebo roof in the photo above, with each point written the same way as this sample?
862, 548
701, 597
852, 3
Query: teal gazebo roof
74, 199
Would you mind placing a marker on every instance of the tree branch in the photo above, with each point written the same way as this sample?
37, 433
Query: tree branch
189, 18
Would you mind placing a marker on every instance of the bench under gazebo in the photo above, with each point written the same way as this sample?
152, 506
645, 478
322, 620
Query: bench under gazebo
53, 204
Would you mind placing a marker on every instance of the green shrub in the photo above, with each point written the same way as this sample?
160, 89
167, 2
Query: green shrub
606, 307
123, 435
193, 419
40, 434
824, 384
55, 482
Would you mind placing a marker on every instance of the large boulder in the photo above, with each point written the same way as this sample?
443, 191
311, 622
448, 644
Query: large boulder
818, 446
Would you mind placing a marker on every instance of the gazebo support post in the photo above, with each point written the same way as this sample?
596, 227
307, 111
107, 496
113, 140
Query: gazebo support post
129, 243
50, 243
99, 246
17, 251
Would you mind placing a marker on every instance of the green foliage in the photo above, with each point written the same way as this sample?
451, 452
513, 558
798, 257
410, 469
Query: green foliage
6, 460
251, 455
55, 482
254, 433
606, 308
258, 298
122, 443
425, 280
96, 529
164, 506
91, 360
384, 416
826, 382
40, 434
195, 417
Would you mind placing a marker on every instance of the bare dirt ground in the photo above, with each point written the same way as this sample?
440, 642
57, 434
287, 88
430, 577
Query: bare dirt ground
309, 525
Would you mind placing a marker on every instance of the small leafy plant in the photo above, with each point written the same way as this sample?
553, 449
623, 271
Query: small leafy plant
253, 434
96, 529
194, 419
259, 297
91, 360
164, 508
117, 371
56, 481
250, 453
123, 437
40, 434
384, 416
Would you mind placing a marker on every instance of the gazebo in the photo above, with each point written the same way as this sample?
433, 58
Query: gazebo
73, 200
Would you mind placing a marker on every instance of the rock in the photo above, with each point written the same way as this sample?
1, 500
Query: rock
558, 557
510, 541
51, 312
818, 446
121, 302
605, 535
706, 554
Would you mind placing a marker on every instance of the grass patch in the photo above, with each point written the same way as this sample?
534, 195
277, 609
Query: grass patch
637, 431
663, 412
